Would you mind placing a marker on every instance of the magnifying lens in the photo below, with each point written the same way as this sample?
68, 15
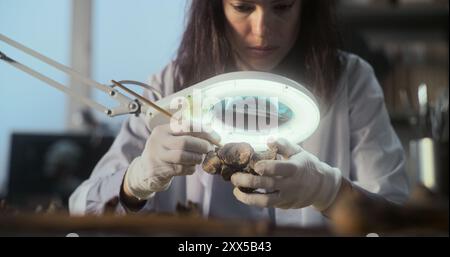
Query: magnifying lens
246, 107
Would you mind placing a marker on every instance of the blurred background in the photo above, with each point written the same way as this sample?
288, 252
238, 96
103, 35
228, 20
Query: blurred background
49, 143
45, 136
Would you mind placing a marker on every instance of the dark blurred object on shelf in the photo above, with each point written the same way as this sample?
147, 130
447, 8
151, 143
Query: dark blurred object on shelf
51, 208
190, 209
47, 168
426, 214
440, 118
5, 209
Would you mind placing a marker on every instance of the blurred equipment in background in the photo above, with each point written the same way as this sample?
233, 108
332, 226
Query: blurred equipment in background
406, 42
60, 165
45, 169
439, 118
429, 151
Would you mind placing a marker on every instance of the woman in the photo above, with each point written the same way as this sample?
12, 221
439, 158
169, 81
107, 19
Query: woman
354, 149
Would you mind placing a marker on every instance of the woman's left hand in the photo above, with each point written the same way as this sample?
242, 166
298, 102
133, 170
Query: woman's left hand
298, 181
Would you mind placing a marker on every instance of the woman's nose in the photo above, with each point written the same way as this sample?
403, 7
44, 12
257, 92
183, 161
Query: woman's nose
260, 23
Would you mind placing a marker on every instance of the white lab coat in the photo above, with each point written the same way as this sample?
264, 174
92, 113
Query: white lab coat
354, 135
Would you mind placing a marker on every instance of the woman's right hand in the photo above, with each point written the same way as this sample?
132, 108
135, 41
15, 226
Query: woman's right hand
166, 154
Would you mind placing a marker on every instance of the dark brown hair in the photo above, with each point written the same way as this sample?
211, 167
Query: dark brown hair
205, 51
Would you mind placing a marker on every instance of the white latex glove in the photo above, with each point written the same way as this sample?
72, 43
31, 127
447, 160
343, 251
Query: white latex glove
166, 154
298, 181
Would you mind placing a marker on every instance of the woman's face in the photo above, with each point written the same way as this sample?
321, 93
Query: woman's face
261, 32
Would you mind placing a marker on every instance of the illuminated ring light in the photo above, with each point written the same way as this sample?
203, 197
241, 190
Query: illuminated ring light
304, 111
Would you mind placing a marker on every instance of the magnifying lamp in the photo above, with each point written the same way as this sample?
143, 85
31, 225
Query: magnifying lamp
247, 107
240, 106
